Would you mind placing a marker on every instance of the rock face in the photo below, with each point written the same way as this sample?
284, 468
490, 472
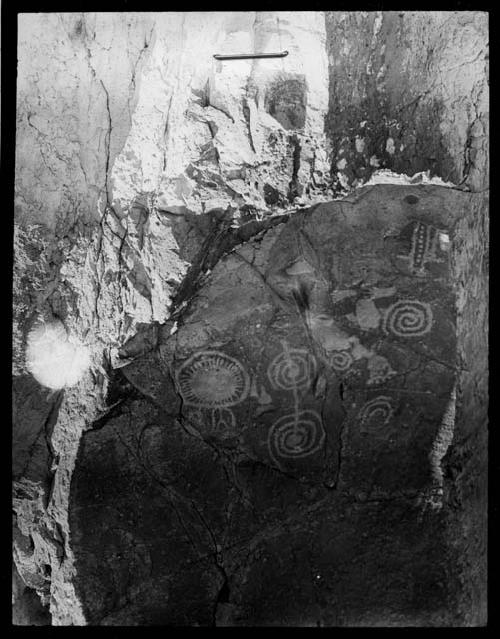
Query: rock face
280, 460
272, 396
408, 92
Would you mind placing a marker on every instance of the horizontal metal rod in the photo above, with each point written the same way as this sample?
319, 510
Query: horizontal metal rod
246, 56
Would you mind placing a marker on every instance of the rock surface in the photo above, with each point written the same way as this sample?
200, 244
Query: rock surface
408, 92
141, 163
291, 432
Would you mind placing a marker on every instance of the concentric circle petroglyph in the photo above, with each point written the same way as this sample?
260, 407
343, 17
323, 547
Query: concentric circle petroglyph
291, 369
376, 413
212, 379
408, 318
341, 360
296, 435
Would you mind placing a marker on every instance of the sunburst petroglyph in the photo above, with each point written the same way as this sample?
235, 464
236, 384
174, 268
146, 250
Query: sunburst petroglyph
212, 379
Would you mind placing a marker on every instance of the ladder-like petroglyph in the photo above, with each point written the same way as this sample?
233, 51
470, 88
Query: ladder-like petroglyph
425, 244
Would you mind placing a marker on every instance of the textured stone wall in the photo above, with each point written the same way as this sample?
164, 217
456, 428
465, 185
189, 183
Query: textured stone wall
408, 92
136, 150
466, 462
127, 130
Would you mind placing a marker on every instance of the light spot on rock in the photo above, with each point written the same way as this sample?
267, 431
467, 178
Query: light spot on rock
383, 292
374, 161
341, 164
360, 144
344, 182
367, 314
299, 268
337, 296
55, 359
389, 146
444, 241
325, 332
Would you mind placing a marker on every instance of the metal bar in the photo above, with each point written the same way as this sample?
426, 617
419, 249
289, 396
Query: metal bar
247, 56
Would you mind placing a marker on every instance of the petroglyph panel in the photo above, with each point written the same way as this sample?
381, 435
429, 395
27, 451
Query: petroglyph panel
212, 379
323, 400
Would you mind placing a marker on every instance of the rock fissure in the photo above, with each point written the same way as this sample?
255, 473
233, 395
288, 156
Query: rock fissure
107, 145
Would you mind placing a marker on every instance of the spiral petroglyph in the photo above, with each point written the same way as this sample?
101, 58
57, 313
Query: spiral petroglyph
341, 360
293, 368
212, 379
300, 433
376, 413
408, 318
296, 435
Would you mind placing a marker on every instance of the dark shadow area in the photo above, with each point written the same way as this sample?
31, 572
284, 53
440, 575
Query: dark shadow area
286, 100
27, 609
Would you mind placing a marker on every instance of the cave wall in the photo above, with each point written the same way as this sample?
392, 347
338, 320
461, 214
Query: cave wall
135, 148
